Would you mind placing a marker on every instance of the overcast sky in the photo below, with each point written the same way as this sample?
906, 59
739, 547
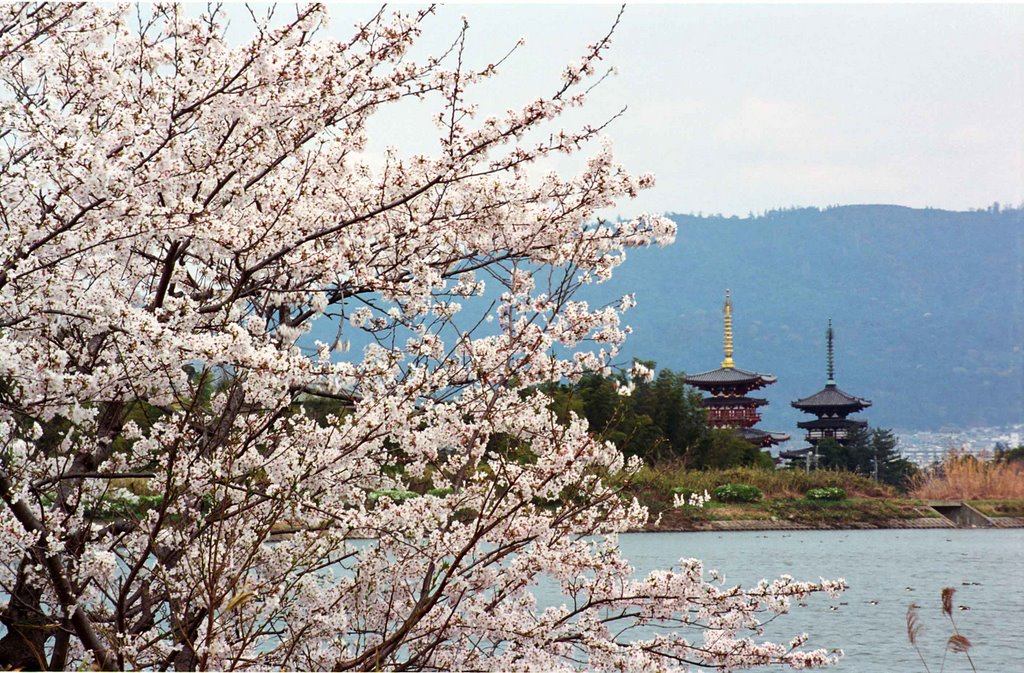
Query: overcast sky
748, 107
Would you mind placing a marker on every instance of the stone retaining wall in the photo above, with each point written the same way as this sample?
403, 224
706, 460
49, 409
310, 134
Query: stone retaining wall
765, 524
1008, 521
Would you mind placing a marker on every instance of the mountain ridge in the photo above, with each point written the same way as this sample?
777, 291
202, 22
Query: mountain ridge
927, 307
927, 304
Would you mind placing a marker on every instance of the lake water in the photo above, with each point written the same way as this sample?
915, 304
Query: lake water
894, 568
886, 571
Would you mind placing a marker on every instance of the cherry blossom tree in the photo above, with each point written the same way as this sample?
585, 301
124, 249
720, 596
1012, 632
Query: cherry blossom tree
177, 212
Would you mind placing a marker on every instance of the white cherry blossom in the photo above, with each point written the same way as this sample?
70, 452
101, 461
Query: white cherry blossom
175, 213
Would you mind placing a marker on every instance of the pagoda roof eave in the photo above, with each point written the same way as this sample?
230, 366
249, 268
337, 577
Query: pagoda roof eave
824, 423
733, 401
831, 397
727, 376
762, 438
795, 453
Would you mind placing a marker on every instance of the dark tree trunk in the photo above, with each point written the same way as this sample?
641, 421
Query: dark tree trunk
28, 629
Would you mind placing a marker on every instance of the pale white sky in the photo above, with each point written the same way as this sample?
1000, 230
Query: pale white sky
749, 107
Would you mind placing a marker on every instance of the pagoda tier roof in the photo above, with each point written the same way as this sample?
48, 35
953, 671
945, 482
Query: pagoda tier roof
729, 376
762, 438
831, 397
825, 423
725, 401
795, 453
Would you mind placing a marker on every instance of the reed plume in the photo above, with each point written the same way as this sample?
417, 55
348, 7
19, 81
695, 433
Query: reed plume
947, 601
957, 643
914, 630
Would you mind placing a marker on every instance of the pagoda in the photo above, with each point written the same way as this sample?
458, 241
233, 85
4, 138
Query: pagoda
728, 405
832, 406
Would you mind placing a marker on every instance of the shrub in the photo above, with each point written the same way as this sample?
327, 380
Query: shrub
395, 496
128, 504
828, 493
737, 493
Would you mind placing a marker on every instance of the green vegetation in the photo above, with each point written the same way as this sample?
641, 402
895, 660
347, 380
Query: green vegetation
1004, 454
829, 493
737, 493
772, 483
849, 513
661, 421
783, 491
842, 512
871, 452
128, 504
999, 507
395, 496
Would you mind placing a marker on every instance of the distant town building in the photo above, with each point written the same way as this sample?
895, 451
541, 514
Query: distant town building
728, 405
832, 408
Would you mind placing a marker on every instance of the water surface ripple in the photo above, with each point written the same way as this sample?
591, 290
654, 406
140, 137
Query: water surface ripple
886, 571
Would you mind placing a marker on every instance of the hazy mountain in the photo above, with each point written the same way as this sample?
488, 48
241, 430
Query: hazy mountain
927, 305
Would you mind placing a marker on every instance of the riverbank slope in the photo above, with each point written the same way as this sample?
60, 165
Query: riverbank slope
804, 514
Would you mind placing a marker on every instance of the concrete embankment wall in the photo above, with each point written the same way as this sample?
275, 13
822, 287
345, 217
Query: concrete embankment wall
918, 523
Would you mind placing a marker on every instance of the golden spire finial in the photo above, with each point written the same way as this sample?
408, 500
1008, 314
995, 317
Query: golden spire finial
727, 363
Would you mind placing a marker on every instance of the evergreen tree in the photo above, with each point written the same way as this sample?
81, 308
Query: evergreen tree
661, 421
871, 452
723, 448
889, 466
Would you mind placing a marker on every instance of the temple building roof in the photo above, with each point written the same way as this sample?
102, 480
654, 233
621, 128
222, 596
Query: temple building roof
796, 453
728, 376
762, 438
831, 397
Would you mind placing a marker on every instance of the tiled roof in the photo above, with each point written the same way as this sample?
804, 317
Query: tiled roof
729, 375
761, 437
831, 396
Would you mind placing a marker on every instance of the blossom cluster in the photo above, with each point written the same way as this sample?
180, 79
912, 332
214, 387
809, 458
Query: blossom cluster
186, 484
691, 499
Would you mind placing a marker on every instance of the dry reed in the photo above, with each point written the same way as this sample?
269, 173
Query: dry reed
962, 477
957, 643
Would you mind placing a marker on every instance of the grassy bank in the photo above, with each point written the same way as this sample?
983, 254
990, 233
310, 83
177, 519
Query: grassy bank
999, 507
868, 503
773, 483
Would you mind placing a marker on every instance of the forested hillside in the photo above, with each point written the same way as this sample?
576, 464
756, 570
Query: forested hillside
928, 307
